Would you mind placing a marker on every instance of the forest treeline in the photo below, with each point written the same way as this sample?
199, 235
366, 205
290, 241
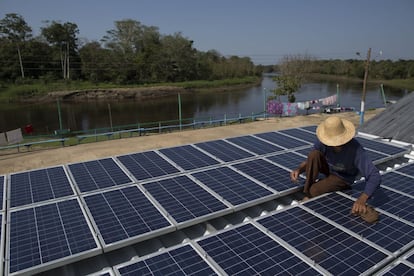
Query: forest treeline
133, 53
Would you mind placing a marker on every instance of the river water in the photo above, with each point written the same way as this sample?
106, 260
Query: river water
101, 114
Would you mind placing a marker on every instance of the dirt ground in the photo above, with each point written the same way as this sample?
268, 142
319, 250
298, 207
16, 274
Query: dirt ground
16, 162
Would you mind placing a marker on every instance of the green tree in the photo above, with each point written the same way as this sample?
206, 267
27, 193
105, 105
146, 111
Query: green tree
287, 85
15, 29
64, 38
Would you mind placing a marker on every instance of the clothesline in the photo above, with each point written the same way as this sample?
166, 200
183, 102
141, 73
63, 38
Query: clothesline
291, 109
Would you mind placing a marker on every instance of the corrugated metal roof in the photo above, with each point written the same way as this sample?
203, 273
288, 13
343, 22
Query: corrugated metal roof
395, 122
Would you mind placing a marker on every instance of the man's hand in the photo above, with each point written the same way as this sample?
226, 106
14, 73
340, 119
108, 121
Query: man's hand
294, 175
360, 205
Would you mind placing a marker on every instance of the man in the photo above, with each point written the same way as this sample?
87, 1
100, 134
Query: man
340, 158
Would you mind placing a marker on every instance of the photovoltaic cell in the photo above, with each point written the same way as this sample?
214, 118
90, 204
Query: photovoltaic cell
267, 173
123, 214
180, 261
39, 185
98, 174
393, 202
47, 233
300, 134
282, 140
389, 233
223, 150
232, 186
147, 165
255, 145
380, 146
310, 128
398, 182
245, 250
184, 199
408, 170
376, 156
188, 157
290, 160
398, 269
328, 246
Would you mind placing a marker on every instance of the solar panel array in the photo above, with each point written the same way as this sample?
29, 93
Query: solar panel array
67, 213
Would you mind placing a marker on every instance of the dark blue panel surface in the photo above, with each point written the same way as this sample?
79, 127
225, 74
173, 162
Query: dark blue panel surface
232, 186
334, 250
380, 146
408, 170
47, 233
399, 182
124, 213
245, 250
376, 156
255, 145
300, 134
389, 233
223, 150
401, 269
184, 199
267, 173
181, 261
282, 140
98, 174
188, 157
310, 128
39, 185
305, 151
290, 160
395, 203
146, 165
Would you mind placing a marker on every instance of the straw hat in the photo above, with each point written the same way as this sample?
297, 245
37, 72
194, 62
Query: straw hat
335, 131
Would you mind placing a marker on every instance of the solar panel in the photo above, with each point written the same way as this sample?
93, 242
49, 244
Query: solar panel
328, 246
125, 215
289, 160
44, 236
2, 192
223, 150
183, 260
381, 146
232, 186
398, 182
188, 157
392, 202
375, 156
282, 140
39, 185
246, 250
310, 128
408, 170
269, 174
398, 268
98, 174
255, 145
304, 151
300, 134
2, 239
147, 165
185, 200
389, 233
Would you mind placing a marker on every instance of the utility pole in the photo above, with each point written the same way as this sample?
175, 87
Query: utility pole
364, 88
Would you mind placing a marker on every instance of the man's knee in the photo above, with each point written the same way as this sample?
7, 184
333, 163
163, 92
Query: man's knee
315, 191
314, 154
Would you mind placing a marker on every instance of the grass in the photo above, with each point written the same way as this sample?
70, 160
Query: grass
39, 88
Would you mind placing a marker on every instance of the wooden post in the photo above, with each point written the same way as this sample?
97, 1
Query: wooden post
364, 88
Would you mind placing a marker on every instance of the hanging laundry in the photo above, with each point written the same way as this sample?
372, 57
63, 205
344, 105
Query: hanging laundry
329, 100
290, 109
274, 107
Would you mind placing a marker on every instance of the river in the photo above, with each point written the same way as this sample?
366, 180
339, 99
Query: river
44, 117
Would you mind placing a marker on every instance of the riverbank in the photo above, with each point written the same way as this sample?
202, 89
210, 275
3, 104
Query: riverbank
17, 162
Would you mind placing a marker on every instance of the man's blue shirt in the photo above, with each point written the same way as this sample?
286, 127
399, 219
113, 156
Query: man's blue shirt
352, 160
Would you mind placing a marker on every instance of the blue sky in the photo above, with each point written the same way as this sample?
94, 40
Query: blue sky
265, 30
